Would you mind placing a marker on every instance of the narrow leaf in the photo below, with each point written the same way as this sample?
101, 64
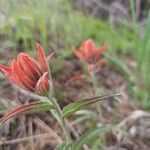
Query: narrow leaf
88, 136
73, 107
34, 107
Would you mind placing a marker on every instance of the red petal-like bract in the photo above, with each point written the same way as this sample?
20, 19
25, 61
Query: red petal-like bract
102, 49
29, 65
18, 110
21, 78
26, 108
42, 58
90, 54
89, 49
7, 70
43, 84
26, 72
79, 54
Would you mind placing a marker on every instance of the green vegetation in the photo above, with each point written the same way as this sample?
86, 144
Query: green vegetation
59, 27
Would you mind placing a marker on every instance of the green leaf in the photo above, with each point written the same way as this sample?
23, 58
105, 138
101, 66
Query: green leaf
95, 132
30, 108
73, 107
41, 107
88, 136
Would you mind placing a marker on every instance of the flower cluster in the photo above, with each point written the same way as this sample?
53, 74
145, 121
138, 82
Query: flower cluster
28, 73
89, 54
33, 75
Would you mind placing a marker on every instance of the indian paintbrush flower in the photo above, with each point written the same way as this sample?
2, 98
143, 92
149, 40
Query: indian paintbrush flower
28, 73
91, 55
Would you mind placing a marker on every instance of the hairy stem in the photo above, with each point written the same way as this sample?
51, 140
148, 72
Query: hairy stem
96, 92
62, 121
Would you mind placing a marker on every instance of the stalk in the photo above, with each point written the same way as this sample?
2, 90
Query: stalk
96, 93
63, 121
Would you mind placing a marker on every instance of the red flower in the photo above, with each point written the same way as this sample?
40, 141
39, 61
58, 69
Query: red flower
28, 73
88, 53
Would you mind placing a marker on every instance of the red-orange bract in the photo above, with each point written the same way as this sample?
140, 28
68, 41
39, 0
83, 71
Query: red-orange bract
90, 54
28, 73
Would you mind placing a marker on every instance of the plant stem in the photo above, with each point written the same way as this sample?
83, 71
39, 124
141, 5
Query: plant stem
63, 121
98, 104
94, 81
96, 92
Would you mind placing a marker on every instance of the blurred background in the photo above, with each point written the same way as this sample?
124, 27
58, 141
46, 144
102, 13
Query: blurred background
59, 26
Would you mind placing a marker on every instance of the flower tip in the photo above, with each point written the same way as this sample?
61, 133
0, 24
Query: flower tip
1, 68
89, 40
78, 54
7, 71
42, 58
37, 44
39, 47
90, 43
4, 68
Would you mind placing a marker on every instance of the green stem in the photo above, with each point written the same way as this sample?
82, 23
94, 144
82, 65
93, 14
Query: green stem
94, 81
63, 121
96, 92
98, 104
